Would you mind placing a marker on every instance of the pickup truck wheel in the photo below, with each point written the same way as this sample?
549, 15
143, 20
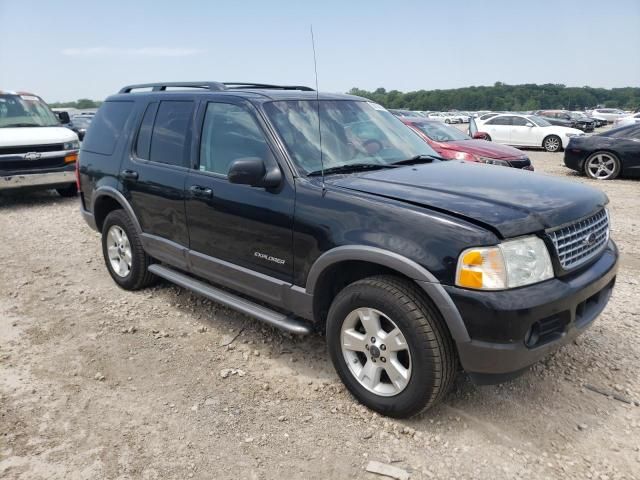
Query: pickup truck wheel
390, 346
68, 192
552, 143
124, 256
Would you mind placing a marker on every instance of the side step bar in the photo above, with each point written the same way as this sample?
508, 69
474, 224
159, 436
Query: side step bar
276, 319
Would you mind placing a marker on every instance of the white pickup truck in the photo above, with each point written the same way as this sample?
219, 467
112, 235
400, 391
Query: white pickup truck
36, 152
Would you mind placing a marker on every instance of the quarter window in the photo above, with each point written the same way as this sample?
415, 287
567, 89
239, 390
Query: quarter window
229, 132
107, 127
171, 132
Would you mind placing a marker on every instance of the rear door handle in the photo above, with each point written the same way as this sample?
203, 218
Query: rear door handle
129, 175
200, 191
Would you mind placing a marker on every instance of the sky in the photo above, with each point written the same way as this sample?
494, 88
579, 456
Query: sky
64, 50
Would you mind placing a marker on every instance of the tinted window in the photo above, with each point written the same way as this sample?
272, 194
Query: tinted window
519, 121
499, 121
625, 132
229, 132
171, 132
143, 144
107, 127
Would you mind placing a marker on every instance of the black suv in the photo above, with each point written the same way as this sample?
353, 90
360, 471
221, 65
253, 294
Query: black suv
309, 210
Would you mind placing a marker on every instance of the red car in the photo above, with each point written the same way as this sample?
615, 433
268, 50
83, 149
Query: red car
453, 144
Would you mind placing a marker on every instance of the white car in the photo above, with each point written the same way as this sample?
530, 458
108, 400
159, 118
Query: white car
627, 120
523, 131
609, 114
36, 152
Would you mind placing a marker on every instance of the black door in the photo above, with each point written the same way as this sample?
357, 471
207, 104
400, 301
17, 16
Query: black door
154, 175
242, 225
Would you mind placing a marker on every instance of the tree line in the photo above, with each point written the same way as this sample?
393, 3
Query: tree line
80, 104
501, 96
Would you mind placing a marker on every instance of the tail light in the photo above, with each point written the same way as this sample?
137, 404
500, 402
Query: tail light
77, 170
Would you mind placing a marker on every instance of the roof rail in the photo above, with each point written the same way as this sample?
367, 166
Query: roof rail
238, 85
161, 87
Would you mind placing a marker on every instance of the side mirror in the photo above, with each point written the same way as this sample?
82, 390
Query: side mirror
529, 124
253, 171
63, 117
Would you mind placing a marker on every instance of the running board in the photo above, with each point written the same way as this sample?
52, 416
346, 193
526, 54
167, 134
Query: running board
265, 314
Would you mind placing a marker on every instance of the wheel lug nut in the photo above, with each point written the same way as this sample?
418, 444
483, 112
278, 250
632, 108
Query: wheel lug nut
382, 359
373, 360
383, 347
373, 339
366, 347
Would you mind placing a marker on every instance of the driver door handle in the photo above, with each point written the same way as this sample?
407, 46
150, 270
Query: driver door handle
199, 191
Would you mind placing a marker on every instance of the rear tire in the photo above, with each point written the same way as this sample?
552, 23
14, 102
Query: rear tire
68, 192
124, 256
409, 333
552, 143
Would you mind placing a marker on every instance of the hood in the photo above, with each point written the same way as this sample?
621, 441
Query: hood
505, 200
22, 136
483, 148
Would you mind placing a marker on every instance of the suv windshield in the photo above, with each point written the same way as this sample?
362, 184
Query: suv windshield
353, 132
25, 111
440, 132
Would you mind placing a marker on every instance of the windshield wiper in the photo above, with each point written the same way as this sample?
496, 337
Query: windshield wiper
10, 125
418, 159
353, 167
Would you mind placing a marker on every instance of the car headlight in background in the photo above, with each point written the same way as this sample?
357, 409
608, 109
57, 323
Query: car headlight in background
493, 161
511, 264
573, 134
75, 145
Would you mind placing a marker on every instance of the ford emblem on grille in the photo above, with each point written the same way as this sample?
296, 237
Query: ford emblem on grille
590, 239
32, 156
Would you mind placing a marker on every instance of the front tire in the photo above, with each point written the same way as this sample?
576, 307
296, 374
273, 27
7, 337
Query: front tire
390, 346
602, 166
552, 143
124, 256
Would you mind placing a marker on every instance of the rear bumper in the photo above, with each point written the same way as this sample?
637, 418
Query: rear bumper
500, 324
35, 180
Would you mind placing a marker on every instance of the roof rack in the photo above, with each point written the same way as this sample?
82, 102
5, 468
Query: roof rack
238, 85
161, 87
211, 86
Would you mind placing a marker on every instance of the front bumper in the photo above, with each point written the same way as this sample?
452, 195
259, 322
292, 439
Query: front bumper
500, 323
34, 180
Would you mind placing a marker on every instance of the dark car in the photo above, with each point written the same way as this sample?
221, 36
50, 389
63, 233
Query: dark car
452, 144
606, 155
80, 124
323, 211
565, 118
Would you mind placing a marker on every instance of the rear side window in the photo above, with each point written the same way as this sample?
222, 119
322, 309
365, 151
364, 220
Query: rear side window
499, 121
143, 144
107, 127
171, 132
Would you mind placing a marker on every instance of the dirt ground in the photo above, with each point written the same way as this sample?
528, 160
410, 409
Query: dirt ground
96, 382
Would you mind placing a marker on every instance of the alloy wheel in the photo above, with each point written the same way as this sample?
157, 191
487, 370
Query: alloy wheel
119, 251
552, 144
376, 352
602, 166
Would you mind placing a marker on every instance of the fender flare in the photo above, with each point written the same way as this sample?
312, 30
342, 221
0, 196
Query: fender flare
423, 277
118, 197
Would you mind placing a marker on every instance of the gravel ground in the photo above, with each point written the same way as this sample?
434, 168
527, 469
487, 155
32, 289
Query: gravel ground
96, 382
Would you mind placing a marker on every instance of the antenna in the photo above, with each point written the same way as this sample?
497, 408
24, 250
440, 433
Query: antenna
315, 67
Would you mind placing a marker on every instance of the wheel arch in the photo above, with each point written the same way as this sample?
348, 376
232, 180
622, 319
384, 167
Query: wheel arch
327, 277
105, 200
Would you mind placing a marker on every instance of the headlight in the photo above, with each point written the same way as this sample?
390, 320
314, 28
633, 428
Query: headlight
75, 145
574, 134
493, 161
511, 264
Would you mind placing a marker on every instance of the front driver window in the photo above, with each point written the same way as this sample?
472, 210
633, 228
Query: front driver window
229, 132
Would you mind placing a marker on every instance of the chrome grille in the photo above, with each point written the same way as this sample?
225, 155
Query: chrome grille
581, 241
